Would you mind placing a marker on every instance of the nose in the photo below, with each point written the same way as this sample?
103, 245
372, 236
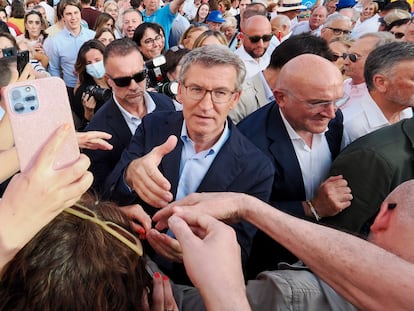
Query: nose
329, 110
206, 102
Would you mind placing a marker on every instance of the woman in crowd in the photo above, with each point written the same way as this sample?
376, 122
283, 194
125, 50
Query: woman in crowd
104, 20
91, 248
150, 40
210, 37
36, 35
17, 14
105, 35
190, 35
92, 91
229, 28
368, 20
111, 7
201, 15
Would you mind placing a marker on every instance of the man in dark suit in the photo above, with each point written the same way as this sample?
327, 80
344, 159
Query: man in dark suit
121, 115
174, 154
301, 133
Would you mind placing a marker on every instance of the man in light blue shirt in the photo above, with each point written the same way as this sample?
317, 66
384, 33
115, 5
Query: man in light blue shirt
173, 154
163, 16
62, 49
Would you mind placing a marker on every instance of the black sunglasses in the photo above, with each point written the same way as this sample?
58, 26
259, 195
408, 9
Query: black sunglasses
352, 57
255, 39
335, 57
126, 81
398, 35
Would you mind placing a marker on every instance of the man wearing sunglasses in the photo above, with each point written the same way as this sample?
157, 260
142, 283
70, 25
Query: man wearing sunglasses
376, 163
197, 150
256, 36
355, 87
121, 115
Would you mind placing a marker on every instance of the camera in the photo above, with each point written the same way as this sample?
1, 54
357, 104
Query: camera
156, 72
100, 94
169, 88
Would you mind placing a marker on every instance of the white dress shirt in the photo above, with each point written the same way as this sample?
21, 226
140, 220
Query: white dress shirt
252, 66
364, 117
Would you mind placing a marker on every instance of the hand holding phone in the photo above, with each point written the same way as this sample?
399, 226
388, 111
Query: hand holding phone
36, 109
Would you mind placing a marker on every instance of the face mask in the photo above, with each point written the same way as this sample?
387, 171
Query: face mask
96, 70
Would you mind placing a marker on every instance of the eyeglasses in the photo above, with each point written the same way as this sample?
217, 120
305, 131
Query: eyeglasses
352, 57
255, 39
339, 32
218, 96
150, 41
398, 35
118, 232
314, 105
126, 81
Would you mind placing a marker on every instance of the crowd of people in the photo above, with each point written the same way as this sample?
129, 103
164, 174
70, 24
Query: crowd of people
235, 155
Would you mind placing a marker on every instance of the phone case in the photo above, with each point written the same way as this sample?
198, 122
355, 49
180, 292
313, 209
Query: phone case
36, 108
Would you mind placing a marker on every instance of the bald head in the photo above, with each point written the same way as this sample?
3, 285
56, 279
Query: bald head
309, 71
392, 228
255, 30
257, 22
307, 89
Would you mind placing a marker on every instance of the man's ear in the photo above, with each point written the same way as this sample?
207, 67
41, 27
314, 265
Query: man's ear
279, 97
382, 221
380, 82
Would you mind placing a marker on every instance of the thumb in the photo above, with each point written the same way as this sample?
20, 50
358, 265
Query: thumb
182, 231
166, 147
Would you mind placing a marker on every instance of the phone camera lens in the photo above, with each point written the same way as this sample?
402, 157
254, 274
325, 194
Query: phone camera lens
16, 94
19, 107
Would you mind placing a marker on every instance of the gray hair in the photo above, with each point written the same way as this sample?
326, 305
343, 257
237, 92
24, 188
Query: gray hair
336, 16
384, 37
213, 55
384, 58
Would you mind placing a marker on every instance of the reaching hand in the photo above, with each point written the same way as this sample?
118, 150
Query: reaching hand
212, 259
94, 140
145, 178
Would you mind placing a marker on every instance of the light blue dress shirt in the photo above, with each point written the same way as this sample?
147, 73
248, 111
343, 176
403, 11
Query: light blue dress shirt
194, 166
62, 50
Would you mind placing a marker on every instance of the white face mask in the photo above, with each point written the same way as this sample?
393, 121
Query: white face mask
96, 70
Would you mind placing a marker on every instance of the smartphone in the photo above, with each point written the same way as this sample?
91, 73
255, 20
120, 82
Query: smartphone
36, 109
22, 60
9, 52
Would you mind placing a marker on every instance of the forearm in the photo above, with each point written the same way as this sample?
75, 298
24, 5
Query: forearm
9, 164
337, 258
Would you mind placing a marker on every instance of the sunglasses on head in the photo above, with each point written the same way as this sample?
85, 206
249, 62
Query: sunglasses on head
255, 39
352, 57
118, 232
126, 81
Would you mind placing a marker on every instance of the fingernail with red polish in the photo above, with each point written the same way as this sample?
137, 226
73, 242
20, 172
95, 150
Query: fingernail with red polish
157, 275
141, 231
165, 278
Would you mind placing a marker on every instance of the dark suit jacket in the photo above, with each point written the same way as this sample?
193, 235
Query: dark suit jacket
239, 167
265, 128
109, 119
374, 165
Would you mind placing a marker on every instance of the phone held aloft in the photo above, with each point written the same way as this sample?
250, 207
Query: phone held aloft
36, 109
